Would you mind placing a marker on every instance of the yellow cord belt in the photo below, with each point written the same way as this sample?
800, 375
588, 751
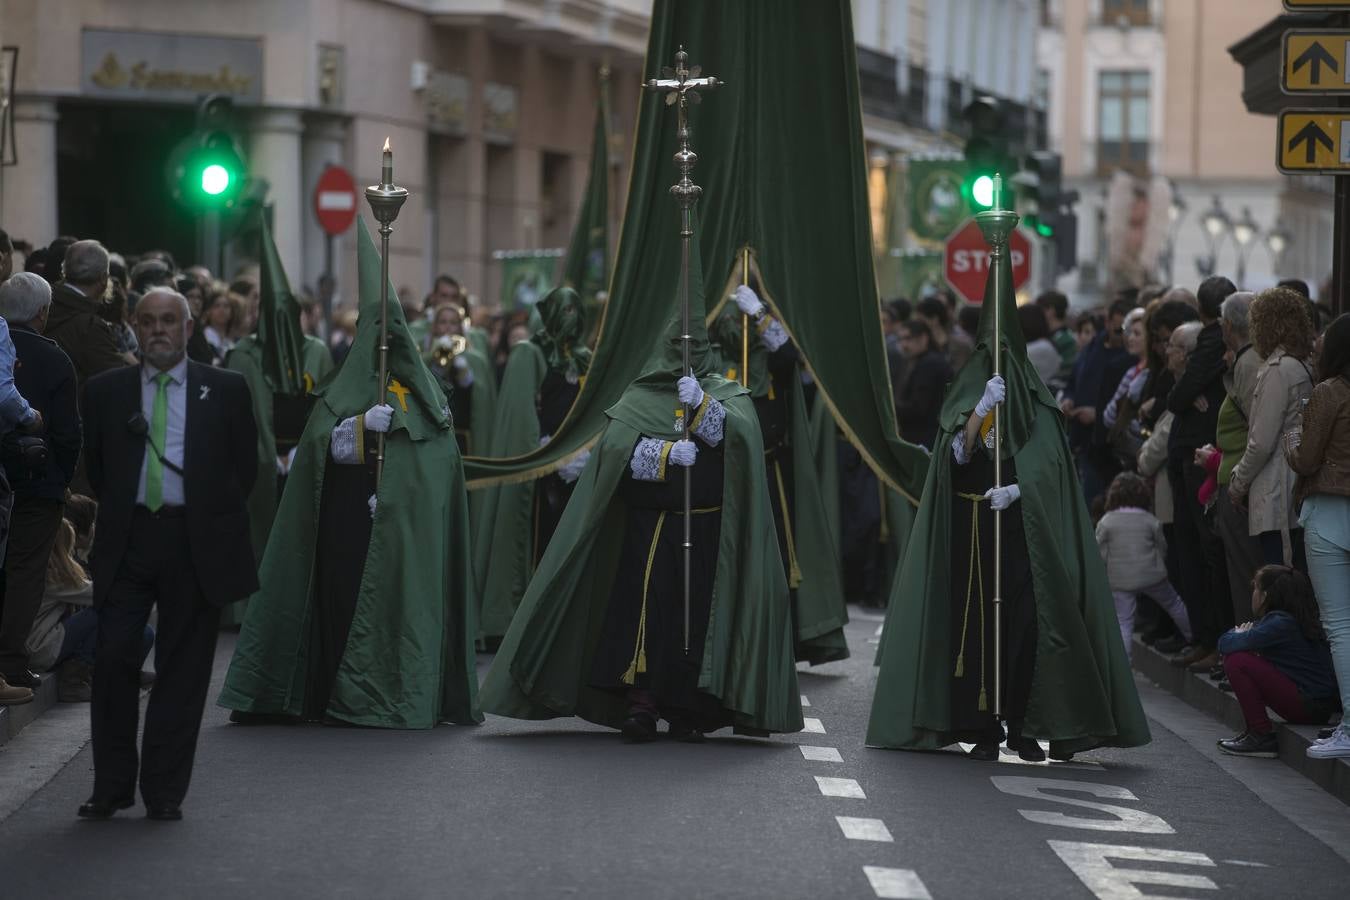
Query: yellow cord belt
976, 571
794, 570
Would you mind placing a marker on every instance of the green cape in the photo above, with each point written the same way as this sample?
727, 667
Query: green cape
409, 659
247, 359
821, 611
1082, 693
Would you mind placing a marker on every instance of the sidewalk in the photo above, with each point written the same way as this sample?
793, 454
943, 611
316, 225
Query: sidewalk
14, 719
1332, 775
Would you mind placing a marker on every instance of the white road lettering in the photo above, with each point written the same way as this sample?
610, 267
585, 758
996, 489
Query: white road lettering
1092, 864
1122, 818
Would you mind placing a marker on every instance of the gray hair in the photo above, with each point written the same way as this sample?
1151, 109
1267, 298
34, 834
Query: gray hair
24, 296
1236, 311
187, 310
1131, 317
1187, 334
1183, 295
86, 262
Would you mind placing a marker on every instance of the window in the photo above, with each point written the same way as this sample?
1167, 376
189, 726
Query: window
1123, 122
1126, 12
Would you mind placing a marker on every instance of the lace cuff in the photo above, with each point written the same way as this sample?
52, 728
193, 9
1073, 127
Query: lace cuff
959, 449
709, 421
649, 459
349, 442
772, 333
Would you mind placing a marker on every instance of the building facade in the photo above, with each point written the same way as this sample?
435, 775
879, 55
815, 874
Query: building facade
1148, 88
489, 106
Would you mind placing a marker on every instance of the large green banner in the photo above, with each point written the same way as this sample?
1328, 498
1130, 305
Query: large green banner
526, 278
782, 164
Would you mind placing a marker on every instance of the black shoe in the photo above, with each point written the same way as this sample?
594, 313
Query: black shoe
685, 734
1324, 733
1225, 686
163, 812
1061, 756
1218, 673
239, 717
985, 751
1027, 749
639, 728
23, 678
95, 808
1262, 746
1169, 645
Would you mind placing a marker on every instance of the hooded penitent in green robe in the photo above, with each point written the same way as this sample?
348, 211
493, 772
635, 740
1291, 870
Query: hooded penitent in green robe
811, 557
408, 659
1082, 694
247, 359
541, 379
544, 668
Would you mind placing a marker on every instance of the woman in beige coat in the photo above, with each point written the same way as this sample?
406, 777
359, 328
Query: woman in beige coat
1282, 334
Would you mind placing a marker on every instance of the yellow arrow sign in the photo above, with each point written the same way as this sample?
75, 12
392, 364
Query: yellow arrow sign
1314, 140
1315, 62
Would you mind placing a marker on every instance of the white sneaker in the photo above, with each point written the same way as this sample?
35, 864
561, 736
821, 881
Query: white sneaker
1335, 747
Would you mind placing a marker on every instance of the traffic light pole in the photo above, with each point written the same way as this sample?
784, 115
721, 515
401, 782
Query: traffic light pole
209, 249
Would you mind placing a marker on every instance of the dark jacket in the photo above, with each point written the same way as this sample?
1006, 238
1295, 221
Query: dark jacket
1092, 385
1203, 378
83, 334
45, 377
920, 400
220, 463
1278, 638
1322, 458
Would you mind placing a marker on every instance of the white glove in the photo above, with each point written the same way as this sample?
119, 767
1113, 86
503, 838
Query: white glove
544, 439
1003, 497
683, 453
570, 471
372, 503
691, 394
463, 374
377, 418
747, 300
994, 393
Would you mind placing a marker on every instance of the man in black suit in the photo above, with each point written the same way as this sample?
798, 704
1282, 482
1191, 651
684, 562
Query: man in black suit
170, 447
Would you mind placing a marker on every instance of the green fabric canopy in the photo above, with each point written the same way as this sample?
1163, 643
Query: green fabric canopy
783, 169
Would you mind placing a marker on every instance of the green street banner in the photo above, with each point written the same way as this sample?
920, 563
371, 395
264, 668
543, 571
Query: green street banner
933, 192
526, 278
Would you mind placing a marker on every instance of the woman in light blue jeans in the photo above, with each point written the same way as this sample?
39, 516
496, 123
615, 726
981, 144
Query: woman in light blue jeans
1320, 453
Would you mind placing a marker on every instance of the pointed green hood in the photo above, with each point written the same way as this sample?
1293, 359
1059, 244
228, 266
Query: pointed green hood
352, 390
1025, 387
559, 322
279, 334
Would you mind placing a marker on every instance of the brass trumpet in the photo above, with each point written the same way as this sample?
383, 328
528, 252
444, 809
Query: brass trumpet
446, 347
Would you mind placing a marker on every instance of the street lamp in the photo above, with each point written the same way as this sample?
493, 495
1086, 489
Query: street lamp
1176, 210
1277, 239
1245, 230
1216, 224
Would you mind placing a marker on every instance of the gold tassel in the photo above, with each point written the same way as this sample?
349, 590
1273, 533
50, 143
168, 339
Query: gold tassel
961, 665
639, 663
984, 701
794, 571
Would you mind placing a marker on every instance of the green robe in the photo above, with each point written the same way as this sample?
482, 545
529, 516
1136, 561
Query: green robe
247, 359
1082, 691
820, 610
409, 660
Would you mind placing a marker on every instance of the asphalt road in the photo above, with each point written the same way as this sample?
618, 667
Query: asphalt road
564, 809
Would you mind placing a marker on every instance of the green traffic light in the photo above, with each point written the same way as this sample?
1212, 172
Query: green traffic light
215, 179
1045, 230
982, 191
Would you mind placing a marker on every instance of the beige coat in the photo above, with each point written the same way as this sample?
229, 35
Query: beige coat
1262, 474
1153, 464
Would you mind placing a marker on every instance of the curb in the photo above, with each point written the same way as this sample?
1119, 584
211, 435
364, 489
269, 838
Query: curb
1332, 775
14, 719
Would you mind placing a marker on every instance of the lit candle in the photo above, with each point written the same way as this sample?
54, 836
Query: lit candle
998, 189
387, 170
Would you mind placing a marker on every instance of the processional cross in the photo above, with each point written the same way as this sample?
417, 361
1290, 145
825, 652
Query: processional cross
681, 85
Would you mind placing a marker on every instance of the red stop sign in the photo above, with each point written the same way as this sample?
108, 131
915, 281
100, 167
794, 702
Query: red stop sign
965, 261
335, 200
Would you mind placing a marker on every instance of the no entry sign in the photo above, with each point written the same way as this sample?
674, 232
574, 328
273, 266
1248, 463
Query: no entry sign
335, 200
965, 261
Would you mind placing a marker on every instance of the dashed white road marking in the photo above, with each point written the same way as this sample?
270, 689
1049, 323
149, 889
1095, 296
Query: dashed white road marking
840, 787
1243, 862
805, 702
864, 829
812, 725
820, 754
896, 884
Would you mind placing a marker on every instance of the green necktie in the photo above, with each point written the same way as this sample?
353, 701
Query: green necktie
159, 428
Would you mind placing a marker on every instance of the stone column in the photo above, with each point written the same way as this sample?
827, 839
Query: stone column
324, 143
274, 154
29, 203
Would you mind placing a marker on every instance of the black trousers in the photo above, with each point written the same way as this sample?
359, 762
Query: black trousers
156, 571
33, 531
1204, 568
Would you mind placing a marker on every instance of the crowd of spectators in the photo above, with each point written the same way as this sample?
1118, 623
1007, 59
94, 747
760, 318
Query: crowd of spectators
1211, 434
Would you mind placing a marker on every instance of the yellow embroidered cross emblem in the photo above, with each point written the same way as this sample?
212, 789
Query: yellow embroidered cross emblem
399, 391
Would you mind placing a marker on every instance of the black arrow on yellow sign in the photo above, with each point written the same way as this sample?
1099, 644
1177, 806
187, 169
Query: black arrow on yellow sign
1316, 56
1311, 135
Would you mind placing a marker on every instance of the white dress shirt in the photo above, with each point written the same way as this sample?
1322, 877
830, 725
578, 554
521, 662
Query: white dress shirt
174, 433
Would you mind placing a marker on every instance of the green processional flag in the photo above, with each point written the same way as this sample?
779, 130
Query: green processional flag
586, 267
782, 164
279, 334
